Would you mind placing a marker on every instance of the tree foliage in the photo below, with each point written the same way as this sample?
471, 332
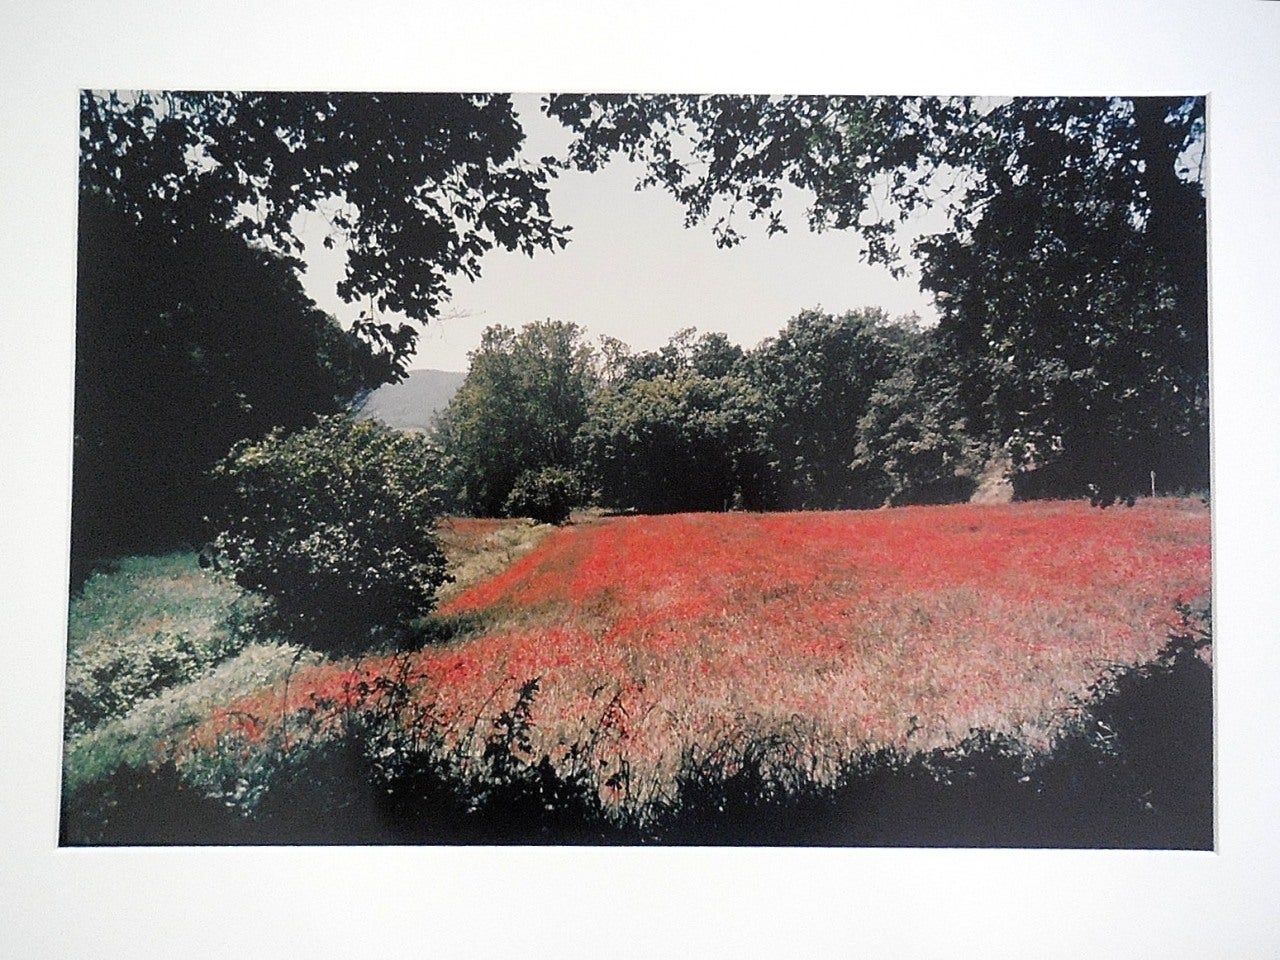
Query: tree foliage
818, 376
868, 162
910, 448
678, 441
417, 187
335, 526
710, 355
545, 495
1076, 307
525, 396
1072, 275
193, 330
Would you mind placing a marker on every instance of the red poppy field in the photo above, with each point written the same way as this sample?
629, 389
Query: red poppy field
658, 640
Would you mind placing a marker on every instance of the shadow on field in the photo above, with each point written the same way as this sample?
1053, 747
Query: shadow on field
1135, 771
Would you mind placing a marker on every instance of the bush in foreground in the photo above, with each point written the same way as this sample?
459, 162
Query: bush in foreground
107, 682
335, 526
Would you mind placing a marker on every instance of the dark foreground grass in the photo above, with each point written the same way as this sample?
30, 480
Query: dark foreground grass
1135, 771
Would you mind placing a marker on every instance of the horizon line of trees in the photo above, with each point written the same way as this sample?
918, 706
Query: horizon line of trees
845, 411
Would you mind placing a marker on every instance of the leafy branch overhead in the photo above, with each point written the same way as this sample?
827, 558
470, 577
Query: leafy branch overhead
417, 187
871, 162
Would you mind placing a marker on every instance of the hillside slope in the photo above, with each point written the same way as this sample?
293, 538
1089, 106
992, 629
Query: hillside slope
413, 403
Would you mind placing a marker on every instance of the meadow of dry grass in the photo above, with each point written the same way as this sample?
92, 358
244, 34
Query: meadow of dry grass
656, 641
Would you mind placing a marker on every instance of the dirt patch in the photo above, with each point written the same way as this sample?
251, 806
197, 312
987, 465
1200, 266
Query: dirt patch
994, 485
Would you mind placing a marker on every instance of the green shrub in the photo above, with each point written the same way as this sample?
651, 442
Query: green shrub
546, 495
335, 526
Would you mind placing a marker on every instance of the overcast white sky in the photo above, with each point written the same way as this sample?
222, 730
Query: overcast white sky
633, 271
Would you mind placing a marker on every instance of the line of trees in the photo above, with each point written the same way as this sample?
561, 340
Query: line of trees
835, 411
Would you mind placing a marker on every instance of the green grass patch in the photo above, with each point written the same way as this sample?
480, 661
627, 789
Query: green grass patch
150, 731
144, 626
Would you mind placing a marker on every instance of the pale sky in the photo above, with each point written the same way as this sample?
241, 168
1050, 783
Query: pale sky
632, 271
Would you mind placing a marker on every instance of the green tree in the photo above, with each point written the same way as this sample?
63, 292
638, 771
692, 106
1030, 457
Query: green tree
911, 444
710, 355
679, 441
818, 375
525, 396
545, 495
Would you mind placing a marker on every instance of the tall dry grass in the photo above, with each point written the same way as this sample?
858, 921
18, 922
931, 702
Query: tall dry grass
813, 639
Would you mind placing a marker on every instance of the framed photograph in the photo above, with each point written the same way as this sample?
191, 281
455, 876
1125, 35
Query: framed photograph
934, 579
630, 492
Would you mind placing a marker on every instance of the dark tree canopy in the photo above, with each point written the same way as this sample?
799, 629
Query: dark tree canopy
871, 162
729, 156
818, 375
678, 441
1076, 307
417, 186
184, 345
912, 445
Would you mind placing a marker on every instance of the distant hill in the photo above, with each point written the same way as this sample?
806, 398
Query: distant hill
413, 403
